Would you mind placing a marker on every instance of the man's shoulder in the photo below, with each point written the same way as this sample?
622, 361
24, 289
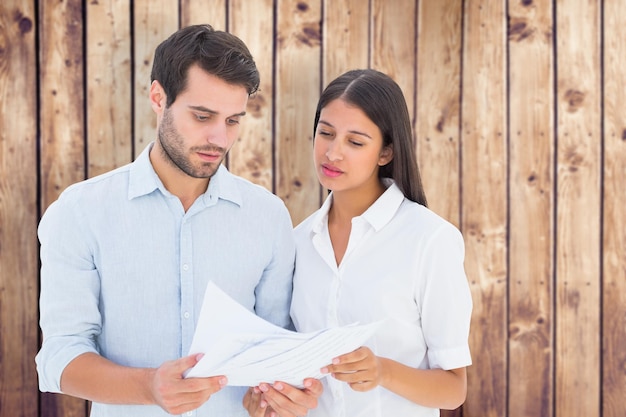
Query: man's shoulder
253, 192
105, 182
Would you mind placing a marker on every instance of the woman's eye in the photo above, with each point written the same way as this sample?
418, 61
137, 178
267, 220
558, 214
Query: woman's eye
355, 143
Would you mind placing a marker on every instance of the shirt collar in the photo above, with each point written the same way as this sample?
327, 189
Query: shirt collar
143, 180
377, 215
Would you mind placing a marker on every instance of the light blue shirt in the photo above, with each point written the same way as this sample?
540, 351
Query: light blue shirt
124, 270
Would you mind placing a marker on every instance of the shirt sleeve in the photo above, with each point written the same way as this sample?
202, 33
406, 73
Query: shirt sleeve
446, 300
69, 314
274, 291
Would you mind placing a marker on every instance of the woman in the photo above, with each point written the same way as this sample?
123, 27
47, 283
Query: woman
373, 252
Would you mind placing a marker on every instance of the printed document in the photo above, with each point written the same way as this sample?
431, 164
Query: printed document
249, 350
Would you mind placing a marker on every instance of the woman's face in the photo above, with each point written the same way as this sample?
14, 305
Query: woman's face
348, 148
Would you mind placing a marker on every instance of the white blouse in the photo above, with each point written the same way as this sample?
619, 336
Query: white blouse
403, 264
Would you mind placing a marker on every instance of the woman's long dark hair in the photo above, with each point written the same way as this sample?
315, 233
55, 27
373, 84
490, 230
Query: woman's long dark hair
381, 99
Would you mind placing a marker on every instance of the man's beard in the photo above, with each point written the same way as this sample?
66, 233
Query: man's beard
173, 150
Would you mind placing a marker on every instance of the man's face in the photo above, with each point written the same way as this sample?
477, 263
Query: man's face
200, 127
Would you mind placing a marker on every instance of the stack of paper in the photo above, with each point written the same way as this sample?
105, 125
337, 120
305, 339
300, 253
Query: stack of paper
250, 350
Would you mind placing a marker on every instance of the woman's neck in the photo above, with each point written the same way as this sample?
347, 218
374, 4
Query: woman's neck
349, 204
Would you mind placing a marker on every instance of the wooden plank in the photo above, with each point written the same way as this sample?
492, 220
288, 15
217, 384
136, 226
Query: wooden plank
577, 351
614, 214
19, 337
345, 37
62, 96
438, 104
531, 241
484, 202
438, 109
252, 155
393, 44
194, 12
109, 99
62, 128
154, 21
297, 89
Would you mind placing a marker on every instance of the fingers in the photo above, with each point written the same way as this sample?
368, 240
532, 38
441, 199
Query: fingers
289, 401
176, 394
255, 404
360, 368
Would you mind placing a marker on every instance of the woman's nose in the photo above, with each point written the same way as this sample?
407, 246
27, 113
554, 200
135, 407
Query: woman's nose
334, 151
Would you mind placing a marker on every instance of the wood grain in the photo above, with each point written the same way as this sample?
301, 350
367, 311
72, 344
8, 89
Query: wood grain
530, 163
438, 105
194, 12
109, 98
577, 352
484, 202
393, 44
19, 338
297, 91
614, 214
345, 40
531, 185
252, 155
154, 21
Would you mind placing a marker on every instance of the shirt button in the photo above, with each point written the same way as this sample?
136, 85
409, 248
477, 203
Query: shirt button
185, 267
190, 413
186, 315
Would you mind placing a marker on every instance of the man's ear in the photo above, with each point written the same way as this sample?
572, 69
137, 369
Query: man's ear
158, 99
386, 155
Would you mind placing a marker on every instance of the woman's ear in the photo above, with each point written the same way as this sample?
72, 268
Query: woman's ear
158, 98
386, 155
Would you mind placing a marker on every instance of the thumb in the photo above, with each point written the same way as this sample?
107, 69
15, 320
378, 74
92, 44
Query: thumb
188, 362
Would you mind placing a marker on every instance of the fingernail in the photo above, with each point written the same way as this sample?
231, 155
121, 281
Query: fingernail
223, 381
263, 388
324, 370
335, 361
308, 383
278, 386
263, 404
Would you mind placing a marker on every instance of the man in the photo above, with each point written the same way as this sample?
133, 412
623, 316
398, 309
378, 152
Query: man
126, 256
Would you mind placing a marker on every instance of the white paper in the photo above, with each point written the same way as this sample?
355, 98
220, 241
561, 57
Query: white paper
250, 350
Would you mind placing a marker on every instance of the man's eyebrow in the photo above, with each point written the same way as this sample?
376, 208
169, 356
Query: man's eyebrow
207, 110
355, 132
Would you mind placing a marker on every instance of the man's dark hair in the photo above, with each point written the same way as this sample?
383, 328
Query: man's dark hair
219, 53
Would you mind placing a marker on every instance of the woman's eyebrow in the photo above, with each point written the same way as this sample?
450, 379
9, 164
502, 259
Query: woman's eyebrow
355, 132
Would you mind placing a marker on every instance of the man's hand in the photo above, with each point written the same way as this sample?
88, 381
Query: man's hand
282, 400
177, 395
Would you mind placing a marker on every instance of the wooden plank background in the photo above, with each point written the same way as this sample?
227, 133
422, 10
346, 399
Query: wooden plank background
520, 122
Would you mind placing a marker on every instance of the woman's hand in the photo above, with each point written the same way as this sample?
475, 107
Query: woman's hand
361, 369
282, 400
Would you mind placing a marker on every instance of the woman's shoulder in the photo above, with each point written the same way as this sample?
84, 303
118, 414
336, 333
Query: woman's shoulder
418, 217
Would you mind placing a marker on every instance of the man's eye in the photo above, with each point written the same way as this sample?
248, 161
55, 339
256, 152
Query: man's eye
201, 118
233, 121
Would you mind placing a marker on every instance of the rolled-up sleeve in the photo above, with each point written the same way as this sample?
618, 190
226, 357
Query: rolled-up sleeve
70, 318
446, 300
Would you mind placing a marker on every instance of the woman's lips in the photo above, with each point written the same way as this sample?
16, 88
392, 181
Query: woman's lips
331, 171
